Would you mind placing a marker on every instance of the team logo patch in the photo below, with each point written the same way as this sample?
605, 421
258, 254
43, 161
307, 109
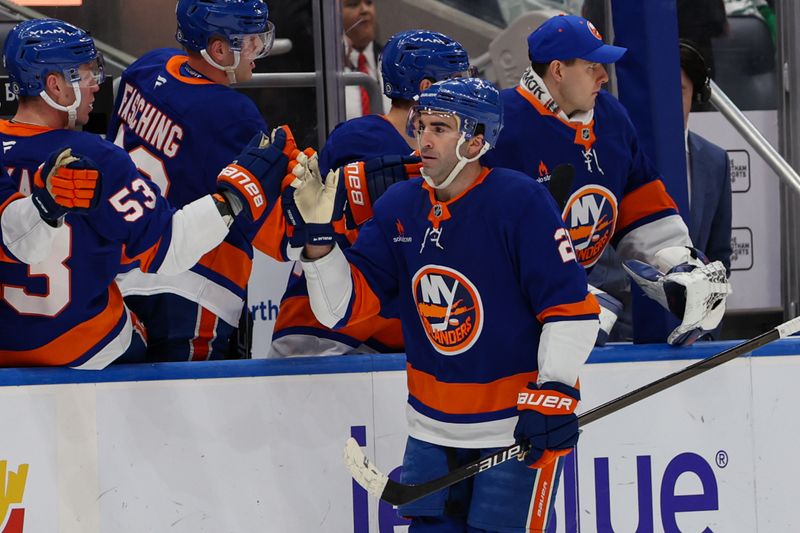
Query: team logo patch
590, 215
449, 307
594, 31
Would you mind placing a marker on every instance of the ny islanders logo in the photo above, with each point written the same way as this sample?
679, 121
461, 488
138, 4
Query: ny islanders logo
449, 307
590, 215
12, 489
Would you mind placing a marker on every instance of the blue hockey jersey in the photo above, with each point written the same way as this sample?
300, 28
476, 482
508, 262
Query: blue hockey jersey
476, 280
616, 190
296, 330
67, 309
361, 139
181, 129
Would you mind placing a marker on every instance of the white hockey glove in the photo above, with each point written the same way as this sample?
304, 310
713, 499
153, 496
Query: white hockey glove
692, 289
610, 308
311, 206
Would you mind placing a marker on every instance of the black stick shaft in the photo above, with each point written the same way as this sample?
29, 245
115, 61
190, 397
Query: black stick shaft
398, 493
675, 378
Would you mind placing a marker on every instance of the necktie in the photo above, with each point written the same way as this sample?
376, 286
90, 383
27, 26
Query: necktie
362, 67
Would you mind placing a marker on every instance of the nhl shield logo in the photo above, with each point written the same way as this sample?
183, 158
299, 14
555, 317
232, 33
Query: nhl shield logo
591, 216
449, 307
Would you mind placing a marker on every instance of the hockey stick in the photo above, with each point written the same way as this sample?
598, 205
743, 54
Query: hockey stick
378, 484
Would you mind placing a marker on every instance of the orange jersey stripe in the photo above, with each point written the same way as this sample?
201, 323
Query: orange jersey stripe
174, 67
365, 304
467, 398
145, 258
19, 129
647, 200
586, 142
201, 344
230, 262
3, 256
296, 312
75, 342
269, 238
588, 306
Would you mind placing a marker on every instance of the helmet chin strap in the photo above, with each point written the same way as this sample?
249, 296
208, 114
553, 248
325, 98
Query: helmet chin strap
462, 161
230, 70
71, 109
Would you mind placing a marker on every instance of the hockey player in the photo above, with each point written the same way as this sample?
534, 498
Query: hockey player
65, 234
180, 121
558, 114
494, 308
410, 62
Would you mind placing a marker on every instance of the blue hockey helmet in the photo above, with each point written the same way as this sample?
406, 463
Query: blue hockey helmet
475, 102
38, 47
233, 20
412, 56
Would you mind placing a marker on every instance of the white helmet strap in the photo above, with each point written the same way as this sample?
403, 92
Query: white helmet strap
71, 109
462, 161
230, 70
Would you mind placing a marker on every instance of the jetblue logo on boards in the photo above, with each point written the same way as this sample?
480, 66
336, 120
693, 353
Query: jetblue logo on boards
659, 493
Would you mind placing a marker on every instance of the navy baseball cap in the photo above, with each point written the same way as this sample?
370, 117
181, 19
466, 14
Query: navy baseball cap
569, 37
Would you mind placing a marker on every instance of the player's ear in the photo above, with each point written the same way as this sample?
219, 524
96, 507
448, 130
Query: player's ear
424, 84
54, 85
475, 144
556, 69
216, 48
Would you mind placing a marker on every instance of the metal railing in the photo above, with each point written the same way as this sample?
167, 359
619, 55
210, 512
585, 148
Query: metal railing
274, 80
754, 137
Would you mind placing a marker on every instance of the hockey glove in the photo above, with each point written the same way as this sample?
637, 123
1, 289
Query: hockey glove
693, 289
309, 205
365, 182
547, 421
253, 182
64, 183
610, 308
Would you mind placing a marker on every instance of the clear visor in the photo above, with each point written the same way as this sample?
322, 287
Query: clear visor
449, 124
254, 45
87, 74
471, 72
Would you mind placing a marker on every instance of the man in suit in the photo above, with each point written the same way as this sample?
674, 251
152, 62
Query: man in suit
707, 166
361, 53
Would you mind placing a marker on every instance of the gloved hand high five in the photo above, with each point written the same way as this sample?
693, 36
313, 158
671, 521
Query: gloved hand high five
253, 182
692, 289
365, 181
309, 205
547, 421
65, 182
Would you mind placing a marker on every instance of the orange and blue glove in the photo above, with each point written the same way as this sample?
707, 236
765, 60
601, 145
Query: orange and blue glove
65, 183
364, 182
547, 421
252, 183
